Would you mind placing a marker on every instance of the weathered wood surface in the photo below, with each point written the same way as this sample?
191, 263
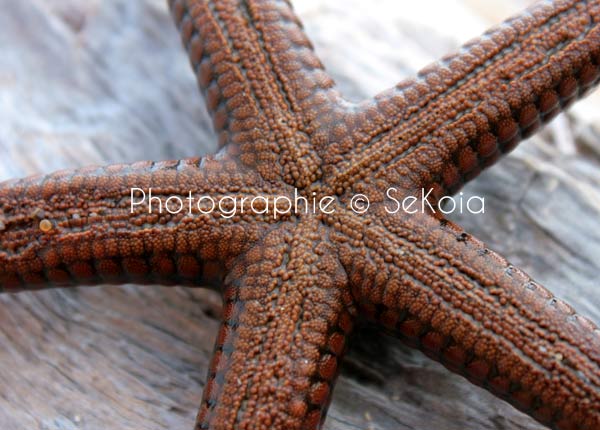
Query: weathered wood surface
104, 81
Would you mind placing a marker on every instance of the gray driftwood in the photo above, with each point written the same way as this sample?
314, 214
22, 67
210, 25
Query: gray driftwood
104, 81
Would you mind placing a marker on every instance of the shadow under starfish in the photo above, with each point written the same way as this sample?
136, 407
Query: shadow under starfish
294, 283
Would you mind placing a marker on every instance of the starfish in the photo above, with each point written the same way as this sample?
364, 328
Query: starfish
295, 278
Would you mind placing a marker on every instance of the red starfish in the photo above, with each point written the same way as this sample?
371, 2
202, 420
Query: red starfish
294, 282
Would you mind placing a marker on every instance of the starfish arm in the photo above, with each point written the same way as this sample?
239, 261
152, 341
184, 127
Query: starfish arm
114, 225
264, 85
460, 115
444, 292
287, 314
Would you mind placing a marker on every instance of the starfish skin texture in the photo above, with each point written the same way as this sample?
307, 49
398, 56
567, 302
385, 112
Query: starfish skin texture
294, 284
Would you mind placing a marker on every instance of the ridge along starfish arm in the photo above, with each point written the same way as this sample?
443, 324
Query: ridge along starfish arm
293, 285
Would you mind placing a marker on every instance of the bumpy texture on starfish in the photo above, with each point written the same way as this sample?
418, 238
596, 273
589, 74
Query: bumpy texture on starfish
294, 284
